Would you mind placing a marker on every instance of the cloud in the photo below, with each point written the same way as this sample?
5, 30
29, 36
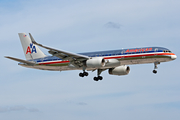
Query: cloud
74, 102
113, 25
17, 108
82, 103
33, 110
2, 109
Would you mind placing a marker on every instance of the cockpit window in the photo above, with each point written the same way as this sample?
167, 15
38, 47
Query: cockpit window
167, 51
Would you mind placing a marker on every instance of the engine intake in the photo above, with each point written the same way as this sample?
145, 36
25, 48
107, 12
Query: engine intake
95, 62
121, 70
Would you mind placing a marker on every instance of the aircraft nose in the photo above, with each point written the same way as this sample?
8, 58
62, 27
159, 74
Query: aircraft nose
173, 57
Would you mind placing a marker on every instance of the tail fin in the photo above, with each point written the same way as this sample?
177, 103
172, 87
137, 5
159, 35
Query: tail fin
31, 51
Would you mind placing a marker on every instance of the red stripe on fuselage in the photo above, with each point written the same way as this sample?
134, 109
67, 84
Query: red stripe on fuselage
141, 55
55, 62
115, 57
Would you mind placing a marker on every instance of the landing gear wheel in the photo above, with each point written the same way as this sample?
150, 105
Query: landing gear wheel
81, 74
85, 73
95, 78
99, 71
100, 77
154, 71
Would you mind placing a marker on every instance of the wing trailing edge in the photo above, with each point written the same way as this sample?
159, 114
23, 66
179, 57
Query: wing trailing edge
60, 53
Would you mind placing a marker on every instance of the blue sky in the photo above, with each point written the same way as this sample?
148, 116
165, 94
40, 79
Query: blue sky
81, 26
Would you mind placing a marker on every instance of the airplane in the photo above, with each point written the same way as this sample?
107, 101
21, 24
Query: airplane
115, 61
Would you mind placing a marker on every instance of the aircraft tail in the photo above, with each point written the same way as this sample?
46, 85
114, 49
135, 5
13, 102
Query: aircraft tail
31, 51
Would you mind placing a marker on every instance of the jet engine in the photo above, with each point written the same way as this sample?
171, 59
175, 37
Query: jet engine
112, 63
120, 70
95, 62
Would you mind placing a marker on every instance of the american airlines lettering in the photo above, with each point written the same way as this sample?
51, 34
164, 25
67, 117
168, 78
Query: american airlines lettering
138, 50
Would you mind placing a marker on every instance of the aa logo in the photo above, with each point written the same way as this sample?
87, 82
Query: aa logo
31, 49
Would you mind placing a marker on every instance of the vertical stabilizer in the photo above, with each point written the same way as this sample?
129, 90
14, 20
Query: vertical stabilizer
31, 51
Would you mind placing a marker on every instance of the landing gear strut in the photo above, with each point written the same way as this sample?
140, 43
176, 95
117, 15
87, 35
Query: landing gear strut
155, 67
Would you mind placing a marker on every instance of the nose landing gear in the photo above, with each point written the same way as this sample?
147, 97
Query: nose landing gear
155, 67
154, 71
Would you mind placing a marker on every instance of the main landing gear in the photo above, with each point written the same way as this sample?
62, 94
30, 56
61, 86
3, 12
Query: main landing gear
98, 78
99, 71
155, 67
83, 74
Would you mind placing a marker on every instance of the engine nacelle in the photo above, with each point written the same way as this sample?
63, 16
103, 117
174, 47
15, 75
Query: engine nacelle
95, 62
121, 70
112, 63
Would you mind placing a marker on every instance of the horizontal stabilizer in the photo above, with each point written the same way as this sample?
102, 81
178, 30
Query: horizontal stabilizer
20, 60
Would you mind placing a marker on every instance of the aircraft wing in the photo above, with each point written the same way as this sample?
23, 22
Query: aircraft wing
76, 59
20, 60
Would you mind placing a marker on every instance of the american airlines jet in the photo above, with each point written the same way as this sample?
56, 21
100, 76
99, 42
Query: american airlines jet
115, 61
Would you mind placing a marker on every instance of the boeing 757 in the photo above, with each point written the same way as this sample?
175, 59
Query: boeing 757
115, 61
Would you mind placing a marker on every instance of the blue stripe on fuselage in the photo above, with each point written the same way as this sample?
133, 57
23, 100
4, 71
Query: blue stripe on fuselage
105, 53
